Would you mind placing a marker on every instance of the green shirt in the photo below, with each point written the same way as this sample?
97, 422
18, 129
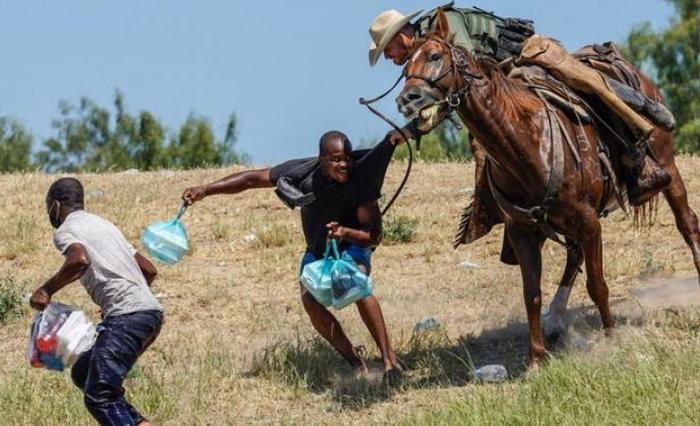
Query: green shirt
470, 29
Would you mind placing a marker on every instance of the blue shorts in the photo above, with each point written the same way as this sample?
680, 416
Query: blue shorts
361, 255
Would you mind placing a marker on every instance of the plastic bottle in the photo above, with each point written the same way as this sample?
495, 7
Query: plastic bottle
342, 282
493, 373
34, 360
48, 342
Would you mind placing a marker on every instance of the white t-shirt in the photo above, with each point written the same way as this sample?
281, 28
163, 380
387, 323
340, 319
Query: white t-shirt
113, 280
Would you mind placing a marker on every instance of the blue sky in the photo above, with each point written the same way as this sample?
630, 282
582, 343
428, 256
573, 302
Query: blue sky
290, 70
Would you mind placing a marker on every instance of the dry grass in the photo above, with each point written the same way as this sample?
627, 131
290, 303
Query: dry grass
237, 346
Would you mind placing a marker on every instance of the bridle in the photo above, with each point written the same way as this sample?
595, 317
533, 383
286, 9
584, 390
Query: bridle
459, 68
462, 77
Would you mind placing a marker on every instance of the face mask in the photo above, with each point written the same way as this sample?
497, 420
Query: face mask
54, 218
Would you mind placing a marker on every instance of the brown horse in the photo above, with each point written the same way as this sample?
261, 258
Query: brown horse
522, 138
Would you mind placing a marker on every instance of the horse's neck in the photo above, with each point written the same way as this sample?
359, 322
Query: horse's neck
514, 145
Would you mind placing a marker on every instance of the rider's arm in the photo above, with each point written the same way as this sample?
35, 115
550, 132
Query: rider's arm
231, 184
370, 232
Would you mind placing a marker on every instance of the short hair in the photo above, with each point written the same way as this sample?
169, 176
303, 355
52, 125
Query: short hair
67, 191
332, 136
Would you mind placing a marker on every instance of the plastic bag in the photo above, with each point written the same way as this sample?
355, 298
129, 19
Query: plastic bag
58, 336
167, 241
334, 280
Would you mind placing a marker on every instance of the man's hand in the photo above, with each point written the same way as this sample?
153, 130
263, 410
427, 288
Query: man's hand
335, 231
193, 194
395, 137
40, 299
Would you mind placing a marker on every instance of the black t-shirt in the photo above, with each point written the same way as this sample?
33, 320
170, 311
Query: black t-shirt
335, 201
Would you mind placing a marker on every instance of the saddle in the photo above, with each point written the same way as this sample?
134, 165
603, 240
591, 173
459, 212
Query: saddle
482, 213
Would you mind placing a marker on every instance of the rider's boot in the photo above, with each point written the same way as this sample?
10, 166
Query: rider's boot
645, 177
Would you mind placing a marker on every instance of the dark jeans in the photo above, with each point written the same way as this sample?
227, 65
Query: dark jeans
100, 372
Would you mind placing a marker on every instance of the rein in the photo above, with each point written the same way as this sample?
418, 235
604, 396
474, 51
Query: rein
368, 104
458, 68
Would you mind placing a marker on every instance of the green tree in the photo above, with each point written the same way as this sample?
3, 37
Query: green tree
195, 145
83, 136
444, 143
672, 58
148, 143
88, 139
15, 146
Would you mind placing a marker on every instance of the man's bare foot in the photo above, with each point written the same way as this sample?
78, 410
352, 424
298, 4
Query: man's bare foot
144, 423
393, 376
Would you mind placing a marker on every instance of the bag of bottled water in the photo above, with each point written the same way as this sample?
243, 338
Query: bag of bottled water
167, 241
335, 280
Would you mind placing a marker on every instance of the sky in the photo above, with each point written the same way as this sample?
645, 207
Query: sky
290, 70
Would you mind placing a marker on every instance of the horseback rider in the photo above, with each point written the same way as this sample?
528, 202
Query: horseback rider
514, 40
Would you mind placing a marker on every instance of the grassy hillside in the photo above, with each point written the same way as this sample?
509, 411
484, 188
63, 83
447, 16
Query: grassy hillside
237, 347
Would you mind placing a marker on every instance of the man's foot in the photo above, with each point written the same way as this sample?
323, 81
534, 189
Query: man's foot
393, 376
650, 180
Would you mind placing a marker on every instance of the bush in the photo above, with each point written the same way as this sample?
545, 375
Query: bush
10, 299
399, 229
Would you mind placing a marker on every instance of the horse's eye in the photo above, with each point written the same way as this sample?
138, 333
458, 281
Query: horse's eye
435, 57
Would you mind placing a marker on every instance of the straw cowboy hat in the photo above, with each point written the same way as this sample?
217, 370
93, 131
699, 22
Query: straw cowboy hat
383, 29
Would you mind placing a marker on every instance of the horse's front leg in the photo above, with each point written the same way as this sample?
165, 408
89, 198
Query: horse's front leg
527, 244
554, 325
593, 253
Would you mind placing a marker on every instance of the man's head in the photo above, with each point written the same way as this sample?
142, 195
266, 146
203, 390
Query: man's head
64, 196
392, 34
335, 156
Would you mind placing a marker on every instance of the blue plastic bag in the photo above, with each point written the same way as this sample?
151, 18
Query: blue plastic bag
334, 280
167, 241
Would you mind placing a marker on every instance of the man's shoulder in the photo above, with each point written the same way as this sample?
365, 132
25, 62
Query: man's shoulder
295, 168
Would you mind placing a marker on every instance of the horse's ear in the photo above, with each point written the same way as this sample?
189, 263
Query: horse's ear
442, 29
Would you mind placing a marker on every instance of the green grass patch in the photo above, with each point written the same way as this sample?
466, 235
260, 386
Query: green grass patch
399, 229
646, 382
10, 299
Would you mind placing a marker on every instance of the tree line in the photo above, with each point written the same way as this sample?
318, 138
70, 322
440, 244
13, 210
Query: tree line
89, 137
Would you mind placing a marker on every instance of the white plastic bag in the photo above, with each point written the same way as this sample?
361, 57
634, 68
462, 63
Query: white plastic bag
59, 335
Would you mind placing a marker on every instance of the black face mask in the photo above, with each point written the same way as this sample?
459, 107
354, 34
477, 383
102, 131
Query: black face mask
55, 218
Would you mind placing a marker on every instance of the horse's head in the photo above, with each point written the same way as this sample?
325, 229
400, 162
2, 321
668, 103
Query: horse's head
434, 84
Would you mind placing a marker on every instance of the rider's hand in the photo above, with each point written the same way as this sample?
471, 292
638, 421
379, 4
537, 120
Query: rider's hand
40, 299
193, 194
335, 231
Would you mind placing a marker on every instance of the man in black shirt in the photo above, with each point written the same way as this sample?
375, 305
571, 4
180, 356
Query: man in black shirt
337, 193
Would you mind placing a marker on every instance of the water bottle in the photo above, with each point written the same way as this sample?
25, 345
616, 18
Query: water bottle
493, 373
48, 341
342, 282
34, 360
51, 362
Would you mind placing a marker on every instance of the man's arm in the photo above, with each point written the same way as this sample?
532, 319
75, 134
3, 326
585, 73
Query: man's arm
148, 270
231, 184
369, 235
75, 265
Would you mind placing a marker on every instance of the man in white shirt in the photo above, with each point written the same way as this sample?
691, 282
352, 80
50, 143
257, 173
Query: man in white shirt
117, 278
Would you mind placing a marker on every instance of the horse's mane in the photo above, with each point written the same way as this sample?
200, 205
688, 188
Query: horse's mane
512, 100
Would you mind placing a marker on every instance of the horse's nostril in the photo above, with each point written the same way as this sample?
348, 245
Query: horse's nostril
413, 96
